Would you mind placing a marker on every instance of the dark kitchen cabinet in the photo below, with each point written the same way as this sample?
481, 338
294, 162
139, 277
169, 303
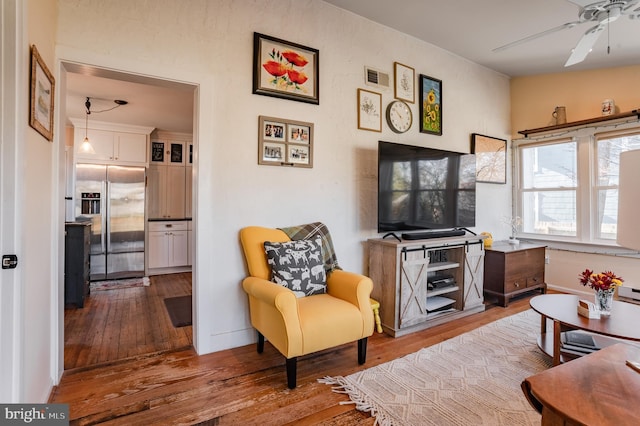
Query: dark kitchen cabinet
76, 262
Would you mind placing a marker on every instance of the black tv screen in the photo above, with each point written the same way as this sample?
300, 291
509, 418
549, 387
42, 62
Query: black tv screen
424, 188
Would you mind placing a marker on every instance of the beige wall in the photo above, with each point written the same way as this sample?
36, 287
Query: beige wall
534, 98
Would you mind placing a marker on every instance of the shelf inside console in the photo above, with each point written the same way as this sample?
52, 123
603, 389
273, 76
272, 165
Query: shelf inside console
443, 290
438, 302
441, 266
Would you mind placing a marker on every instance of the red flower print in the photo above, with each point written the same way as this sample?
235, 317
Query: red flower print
297, 77
274, 68
294, 58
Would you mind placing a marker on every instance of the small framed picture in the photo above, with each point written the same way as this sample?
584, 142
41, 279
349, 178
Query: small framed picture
430, 105
491, 158
404, 77
176, 153
273, 131
369, 110
157, 152
273, 152
41, 96
285, 70
298, 134
298, 154
283, 142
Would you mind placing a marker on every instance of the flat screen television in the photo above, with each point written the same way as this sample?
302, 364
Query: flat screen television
425, 189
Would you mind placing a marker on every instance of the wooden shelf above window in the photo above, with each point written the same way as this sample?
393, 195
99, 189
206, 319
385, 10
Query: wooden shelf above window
622, 115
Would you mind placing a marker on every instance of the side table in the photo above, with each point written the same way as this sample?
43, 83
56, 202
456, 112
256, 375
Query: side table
512, 269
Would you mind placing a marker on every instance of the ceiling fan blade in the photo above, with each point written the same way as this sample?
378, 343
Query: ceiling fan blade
585, 45
582, 3
538, 35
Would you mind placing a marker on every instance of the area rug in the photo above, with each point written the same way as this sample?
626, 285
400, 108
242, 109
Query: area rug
471, 379
119, 284
179, 310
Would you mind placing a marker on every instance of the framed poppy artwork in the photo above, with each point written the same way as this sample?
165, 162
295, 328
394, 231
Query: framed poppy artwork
430, 105
285, 70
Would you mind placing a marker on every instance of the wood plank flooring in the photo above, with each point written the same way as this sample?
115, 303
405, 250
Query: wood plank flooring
127, 322
239, 386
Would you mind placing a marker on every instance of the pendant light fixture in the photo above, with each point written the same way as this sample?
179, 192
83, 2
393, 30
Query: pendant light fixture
86, 144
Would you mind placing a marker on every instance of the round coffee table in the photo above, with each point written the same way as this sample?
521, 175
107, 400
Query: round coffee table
563, 311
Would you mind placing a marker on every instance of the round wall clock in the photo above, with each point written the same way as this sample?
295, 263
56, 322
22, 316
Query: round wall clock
399, 116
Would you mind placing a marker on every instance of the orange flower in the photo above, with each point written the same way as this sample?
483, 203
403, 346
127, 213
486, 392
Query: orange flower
274, 68
297, 77
294, 58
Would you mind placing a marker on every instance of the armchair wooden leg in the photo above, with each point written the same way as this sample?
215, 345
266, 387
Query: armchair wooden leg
292, 364
260, 343
362, 351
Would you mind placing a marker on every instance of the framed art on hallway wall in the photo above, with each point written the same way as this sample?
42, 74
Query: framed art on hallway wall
42, 85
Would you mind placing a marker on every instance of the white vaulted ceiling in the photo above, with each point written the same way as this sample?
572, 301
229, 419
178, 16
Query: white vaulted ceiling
473, 28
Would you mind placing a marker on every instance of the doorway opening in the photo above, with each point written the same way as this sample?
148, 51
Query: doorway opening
123, 321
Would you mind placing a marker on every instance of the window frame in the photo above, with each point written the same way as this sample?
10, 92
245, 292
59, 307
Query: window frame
586, 139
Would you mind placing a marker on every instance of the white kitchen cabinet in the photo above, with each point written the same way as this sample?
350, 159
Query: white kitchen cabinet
167, 152
188, 192
166, 192
190, 241
130, 147
112, 146
168, 244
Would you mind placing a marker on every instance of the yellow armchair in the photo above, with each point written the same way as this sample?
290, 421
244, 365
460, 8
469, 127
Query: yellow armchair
300, 326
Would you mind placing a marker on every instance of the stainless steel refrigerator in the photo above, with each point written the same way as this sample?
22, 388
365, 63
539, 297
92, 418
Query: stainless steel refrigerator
112, 197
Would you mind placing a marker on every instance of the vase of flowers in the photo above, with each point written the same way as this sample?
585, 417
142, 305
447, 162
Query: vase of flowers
604, 284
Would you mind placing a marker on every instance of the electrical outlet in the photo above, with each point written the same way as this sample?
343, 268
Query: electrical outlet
546, 260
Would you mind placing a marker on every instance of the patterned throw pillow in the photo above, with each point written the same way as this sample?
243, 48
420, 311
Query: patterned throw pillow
298, 266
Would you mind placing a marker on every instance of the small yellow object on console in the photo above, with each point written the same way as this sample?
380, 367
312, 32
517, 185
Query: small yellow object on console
488, 241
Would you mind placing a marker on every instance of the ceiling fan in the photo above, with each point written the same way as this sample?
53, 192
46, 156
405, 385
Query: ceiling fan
601, 12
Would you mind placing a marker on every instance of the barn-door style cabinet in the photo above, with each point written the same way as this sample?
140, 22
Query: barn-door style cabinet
423, 283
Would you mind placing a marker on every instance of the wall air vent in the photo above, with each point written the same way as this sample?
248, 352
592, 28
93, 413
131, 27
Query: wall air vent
376, 78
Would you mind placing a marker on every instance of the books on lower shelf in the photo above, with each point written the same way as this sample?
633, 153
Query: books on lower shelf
577, 343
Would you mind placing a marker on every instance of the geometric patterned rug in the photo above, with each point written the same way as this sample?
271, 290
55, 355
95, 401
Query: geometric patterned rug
471, 379
119, 284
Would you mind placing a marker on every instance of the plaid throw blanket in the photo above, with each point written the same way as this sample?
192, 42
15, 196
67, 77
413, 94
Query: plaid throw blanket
309, 232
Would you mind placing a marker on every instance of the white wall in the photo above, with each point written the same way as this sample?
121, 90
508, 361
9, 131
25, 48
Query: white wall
38, 230
210, 43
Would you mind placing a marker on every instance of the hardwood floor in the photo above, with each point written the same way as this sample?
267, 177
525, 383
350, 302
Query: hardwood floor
239, 386
127, 322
